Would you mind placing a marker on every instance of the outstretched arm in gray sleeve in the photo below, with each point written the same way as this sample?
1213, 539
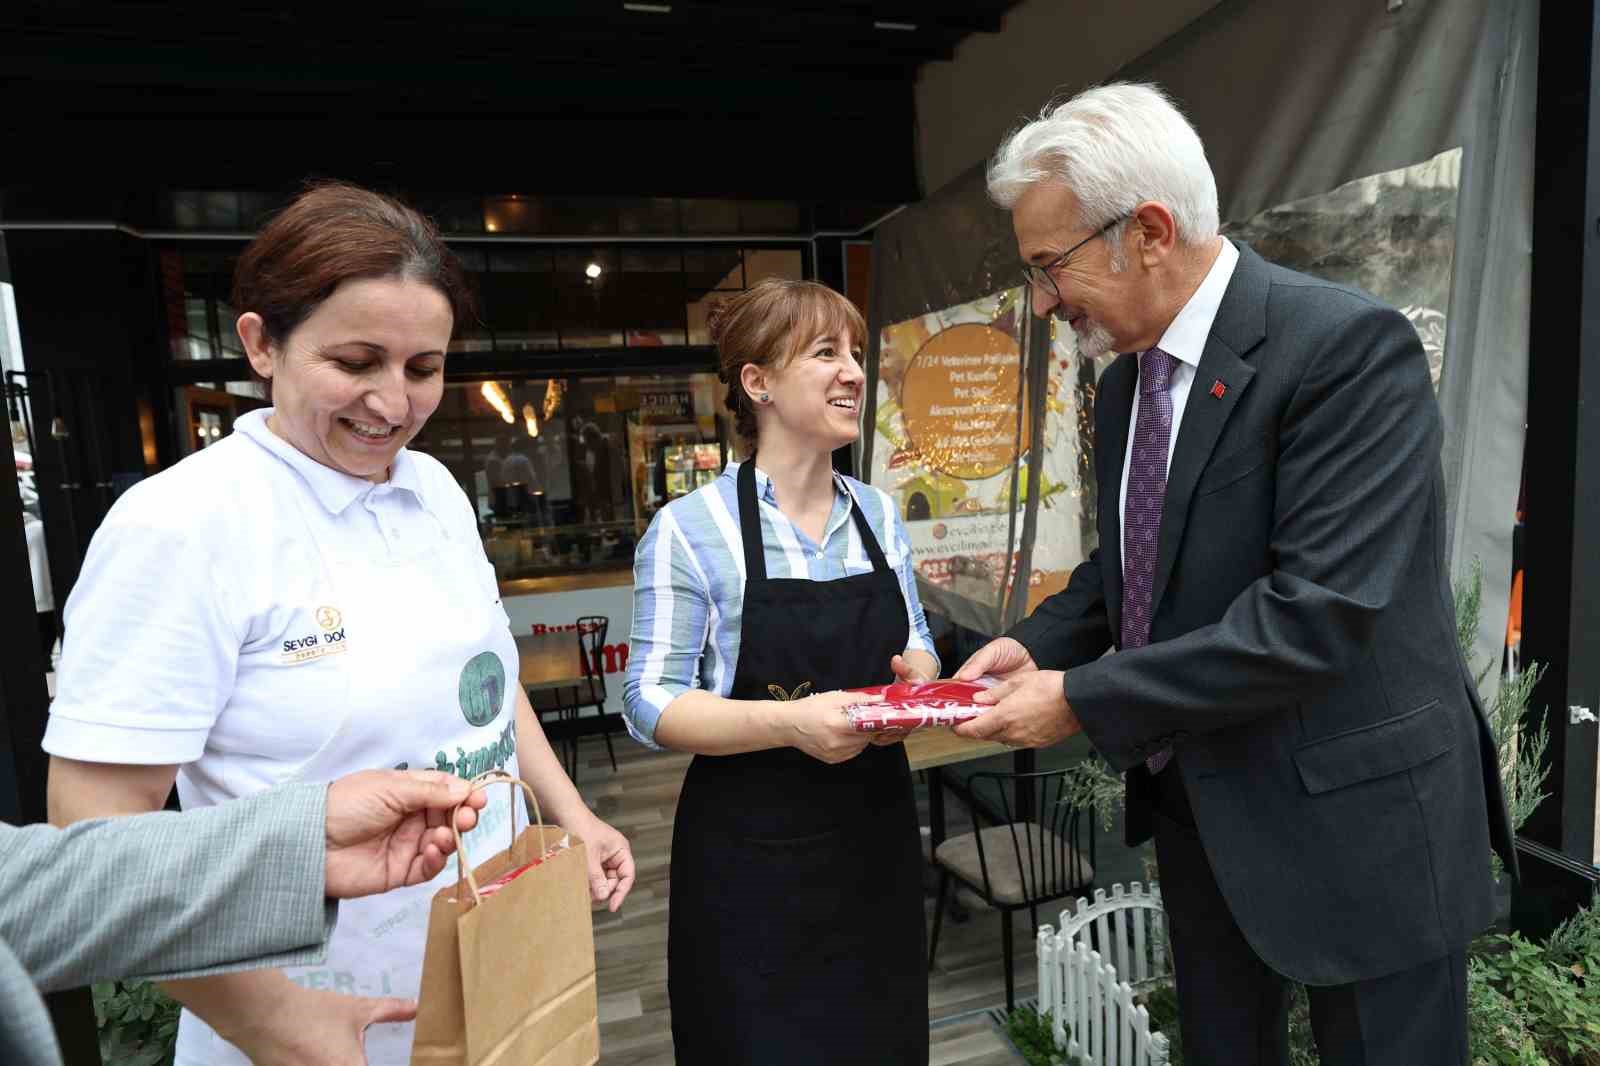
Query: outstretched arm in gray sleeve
165, 895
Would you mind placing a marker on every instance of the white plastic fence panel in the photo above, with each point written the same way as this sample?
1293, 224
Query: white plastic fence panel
1092, 1011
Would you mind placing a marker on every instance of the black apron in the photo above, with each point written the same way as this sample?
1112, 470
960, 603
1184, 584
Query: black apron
795, 935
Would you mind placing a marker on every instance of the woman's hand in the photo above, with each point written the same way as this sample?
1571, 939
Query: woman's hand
307, 1027
908, 671
1002, 657
819, 726
611, 870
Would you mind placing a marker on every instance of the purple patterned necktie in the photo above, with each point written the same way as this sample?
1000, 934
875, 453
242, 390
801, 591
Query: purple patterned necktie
1147, 486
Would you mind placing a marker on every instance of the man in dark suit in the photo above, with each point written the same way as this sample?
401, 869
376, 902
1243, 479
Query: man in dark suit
1297, 726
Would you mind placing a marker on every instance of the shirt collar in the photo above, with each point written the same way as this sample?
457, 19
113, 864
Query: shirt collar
1185, 339
334, 489
764, 490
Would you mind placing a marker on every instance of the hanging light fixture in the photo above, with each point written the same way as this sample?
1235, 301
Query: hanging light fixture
58, 428
530, 419
554, 390
495, 394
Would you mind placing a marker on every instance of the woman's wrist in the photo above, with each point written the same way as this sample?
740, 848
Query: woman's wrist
775, 721
238, 1006
570, 812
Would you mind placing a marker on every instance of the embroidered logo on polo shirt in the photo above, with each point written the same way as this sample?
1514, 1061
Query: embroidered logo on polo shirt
330, 641
482, 688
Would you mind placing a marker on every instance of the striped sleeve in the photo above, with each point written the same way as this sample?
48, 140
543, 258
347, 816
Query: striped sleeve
671, 617
899, 542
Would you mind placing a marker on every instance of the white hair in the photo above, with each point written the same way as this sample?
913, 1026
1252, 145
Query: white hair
1115, 146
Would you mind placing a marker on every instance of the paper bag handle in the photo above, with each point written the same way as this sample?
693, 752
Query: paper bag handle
483, 780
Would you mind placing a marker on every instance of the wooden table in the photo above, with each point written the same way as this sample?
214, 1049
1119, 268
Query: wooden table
931, 749
549, 660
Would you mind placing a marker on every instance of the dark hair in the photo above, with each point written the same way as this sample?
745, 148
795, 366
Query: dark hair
336, 232
769, 324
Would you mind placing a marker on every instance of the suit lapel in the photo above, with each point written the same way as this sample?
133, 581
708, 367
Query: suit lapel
1113, 405
1240, 325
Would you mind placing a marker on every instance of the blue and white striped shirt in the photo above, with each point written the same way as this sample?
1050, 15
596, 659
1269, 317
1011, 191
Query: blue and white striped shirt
688, 584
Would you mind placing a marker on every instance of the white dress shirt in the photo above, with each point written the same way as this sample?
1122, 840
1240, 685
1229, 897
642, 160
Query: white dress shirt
1184, 340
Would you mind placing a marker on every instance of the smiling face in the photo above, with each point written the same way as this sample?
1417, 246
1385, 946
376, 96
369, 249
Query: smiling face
356, 381
1105, 307
816, 396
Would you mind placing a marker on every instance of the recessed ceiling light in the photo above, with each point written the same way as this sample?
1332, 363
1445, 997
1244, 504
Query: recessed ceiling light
903, 27
592, 270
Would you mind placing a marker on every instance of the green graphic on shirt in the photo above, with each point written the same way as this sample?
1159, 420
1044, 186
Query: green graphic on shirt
482, 687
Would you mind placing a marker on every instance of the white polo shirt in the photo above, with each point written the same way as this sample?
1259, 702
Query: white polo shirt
195, 585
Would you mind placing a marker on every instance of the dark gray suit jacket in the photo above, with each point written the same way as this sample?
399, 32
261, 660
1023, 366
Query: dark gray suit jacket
1303, 658
233, 887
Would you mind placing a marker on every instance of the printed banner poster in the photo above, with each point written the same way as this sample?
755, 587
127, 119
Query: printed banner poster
950, 388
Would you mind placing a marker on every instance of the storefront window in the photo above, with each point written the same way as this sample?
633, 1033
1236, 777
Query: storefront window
565, 473
591, 309
198, 283
583, 297
518, 300
565, 463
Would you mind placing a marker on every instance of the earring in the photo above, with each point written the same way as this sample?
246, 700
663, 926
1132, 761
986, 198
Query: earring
765, 398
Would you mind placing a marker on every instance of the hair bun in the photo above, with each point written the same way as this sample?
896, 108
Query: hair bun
717, 319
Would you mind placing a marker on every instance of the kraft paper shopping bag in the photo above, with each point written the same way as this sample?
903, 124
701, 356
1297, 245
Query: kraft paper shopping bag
508, 978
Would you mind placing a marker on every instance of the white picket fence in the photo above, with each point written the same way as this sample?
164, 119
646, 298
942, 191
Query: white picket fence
1091, 1007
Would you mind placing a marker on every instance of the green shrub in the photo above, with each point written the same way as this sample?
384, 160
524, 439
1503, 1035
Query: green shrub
1030, 1032
1576, 942
138, 1024
1529, 1004
1521, 752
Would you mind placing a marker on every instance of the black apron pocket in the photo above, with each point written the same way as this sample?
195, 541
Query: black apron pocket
809, 907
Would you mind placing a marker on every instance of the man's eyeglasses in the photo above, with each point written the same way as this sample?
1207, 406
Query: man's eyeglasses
1043, 277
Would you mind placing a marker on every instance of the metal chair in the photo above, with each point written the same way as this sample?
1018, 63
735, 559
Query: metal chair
591, 644
561, 702
1028, 855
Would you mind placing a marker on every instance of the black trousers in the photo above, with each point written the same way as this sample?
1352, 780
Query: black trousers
1234, 1009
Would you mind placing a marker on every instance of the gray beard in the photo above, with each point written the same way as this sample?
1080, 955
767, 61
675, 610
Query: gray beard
1096, 342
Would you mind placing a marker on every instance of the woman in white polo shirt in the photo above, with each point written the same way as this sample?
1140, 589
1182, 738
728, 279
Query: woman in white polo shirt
306, 598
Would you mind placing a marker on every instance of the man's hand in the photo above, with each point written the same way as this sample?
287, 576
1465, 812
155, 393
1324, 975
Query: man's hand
611, 870
1030, 710
390, 828
1001, 657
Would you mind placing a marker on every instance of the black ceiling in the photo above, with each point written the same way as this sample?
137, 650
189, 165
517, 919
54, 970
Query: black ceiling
803, 100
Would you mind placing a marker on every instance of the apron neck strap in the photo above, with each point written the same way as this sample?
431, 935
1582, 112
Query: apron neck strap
868, 540
755, 555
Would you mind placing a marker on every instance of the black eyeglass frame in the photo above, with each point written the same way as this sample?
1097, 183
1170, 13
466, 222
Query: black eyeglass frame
1042, 277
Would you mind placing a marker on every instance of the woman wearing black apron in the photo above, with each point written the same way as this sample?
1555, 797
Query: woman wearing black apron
796, 923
